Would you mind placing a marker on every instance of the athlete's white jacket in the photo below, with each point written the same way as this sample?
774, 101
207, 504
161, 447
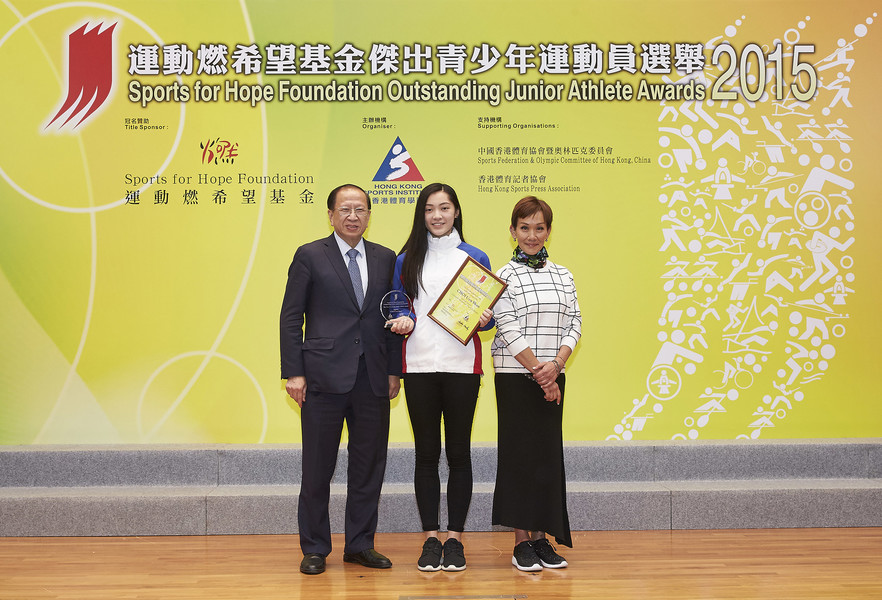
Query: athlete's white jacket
429, 348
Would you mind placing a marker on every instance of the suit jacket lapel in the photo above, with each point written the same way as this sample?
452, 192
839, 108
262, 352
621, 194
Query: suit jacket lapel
337, 262
371, 258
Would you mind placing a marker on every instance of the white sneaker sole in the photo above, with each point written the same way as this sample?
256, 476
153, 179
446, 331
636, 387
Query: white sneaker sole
452, 568
551, 566
429, 568
533, 567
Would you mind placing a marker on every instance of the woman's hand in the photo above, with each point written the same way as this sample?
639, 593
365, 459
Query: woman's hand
485, 317
401, 325
552, 392
545, 373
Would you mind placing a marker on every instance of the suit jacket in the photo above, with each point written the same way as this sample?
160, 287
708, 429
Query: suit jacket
319, 295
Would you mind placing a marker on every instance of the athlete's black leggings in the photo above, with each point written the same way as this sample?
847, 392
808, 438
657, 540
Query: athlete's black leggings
453, 396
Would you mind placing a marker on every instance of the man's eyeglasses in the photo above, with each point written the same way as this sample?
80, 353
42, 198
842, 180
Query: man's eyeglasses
358, 212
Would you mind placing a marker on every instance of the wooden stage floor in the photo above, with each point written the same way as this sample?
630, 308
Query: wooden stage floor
777, 564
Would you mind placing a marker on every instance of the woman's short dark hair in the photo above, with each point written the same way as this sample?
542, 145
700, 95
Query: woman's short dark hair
529, 206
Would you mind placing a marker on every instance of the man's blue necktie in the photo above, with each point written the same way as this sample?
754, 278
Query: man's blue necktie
355, 275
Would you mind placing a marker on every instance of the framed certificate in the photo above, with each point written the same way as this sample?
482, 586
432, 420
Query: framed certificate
473, 289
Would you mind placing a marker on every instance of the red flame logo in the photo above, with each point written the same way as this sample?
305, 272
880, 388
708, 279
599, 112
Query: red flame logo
89, 73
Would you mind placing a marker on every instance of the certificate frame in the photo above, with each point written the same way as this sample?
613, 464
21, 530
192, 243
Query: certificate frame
472, 289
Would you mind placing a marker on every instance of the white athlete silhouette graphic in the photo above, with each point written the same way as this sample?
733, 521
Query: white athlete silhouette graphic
398, 163
740, 346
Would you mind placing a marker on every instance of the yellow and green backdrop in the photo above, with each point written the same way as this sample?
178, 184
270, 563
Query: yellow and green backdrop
712, 166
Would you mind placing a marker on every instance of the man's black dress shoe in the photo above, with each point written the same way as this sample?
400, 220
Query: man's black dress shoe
312, 564
368, 558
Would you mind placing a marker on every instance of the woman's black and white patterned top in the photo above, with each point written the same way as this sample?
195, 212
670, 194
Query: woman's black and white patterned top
539, 309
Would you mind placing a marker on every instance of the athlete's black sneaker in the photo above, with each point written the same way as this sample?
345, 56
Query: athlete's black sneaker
454, 556
430, 560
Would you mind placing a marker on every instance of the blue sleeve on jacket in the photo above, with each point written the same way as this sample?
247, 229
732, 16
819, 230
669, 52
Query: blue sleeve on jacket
398, 284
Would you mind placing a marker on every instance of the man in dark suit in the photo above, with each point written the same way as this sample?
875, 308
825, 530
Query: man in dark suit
343, 366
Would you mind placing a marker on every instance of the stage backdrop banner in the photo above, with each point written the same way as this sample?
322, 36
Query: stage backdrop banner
713, 168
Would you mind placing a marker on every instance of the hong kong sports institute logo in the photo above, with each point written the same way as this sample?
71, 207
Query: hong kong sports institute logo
398, 165
89, 75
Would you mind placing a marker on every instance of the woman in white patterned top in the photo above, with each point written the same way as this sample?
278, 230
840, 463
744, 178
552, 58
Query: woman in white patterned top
538, 325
